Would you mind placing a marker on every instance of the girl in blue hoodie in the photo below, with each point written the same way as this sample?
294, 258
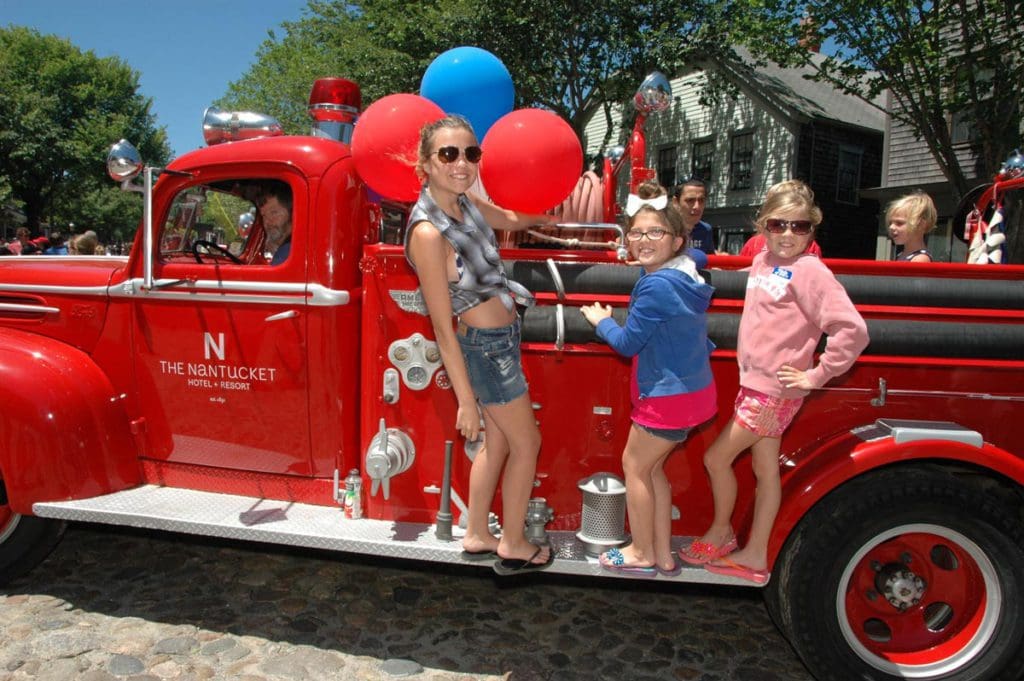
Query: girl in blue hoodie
671, 385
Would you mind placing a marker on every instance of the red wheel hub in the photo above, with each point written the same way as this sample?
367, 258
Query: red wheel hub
916, 599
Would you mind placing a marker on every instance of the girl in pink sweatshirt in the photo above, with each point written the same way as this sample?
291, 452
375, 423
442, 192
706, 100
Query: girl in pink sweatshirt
792, 298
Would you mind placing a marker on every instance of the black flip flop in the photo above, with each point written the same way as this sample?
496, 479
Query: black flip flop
478, 556
507, 567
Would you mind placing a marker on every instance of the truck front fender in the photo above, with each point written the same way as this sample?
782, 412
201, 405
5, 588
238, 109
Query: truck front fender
64, 430
837, 460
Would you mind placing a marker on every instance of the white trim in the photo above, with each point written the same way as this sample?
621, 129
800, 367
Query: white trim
206, 290
14, 307
58, 290
216, 290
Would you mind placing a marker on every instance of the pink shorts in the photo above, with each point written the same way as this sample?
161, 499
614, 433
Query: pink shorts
763, 414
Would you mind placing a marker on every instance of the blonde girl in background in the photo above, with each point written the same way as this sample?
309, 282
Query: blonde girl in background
910, 218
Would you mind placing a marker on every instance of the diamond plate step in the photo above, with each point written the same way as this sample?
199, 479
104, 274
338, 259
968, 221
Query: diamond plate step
318, 527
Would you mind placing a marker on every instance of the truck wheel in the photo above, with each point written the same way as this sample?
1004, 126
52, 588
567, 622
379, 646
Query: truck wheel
24, 541
906, 573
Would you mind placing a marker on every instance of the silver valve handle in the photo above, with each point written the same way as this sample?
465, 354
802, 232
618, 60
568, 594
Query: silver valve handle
377, 463
391, 452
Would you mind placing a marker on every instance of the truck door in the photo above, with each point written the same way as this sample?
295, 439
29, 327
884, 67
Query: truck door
221, 359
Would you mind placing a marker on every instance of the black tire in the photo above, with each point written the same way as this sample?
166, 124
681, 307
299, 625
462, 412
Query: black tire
24, 542
774, 596
869, 541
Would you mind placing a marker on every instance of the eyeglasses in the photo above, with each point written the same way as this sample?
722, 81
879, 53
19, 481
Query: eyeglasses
451, 154
651, 234
798, 227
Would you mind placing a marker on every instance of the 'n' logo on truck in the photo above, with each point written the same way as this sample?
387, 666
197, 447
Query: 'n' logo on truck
217, 346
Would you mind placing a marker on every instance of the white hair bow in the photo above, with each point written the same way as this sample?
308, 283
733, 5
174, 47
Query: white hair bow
634, 203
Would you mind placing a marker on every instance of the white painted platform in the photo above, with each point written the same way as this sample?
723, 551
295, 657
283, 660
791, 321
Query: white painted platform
318, 527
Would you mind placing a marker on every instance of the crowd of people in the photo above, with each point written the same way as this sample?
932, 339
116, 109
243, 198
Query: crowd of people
55, 243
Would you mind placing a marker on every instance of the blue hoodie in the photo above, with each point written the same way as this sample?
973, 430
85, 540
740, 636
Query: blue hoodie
667, 328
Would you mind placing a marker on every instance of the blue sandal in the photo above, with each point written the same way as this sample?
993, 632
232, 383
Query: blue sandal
614, 560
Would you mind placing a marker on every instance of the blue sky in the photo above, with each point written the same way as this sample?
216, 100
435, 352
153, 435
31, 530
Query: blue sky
186, 51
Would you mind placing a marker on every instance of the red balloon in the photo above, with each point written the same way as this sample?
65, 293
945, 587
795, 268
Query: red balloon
385, 143
532, 160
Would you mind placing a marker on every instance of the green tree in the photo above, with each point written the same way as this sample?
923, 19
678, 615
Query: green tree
566, 56
61, 109
5, 191
351, 40
941, 60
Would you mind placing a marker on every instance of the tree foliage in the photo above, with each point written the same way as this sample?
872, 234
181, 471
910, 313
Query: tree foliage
565, 56
940, 59
60, 111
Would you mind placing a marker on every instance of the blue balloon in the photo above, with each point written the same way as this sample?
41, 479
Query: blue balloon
470, 82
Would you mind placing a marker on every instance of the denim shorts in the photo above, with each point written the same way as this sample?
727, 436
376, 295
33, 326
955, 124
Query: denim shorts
670, 434
493, 361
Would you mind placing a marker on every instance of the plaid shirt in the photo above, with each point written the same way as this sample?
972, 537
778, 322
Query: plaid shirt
481, 273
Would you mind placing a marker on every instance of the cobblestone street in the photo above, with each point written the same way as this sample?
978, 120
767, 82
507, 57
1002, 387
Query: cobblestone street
112, 603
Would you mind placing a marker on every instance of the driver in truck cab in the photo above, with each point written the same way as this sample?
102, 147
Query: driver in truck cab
275, 206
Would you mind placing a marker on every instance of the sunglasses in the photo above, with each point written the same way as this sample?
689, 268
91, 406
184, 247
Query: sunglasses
451, 154
798, 227
651, 234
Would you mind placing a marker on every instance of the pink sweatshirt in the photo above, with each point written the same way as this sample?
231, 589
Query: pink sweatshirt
789, 304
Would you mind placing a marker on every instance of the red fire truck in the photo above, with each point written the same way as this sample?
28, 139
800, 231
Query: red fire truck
192, 386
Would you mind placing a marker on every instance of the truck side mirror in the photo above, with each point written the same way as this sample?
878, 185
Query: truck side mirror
123, 161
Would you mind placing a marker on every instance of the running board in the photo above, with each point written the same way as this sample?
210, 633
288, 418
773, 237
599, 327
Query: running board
317, 527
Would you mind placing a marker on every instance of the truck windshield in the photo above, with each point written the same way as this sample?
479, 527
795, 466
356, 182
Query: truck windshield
223, 214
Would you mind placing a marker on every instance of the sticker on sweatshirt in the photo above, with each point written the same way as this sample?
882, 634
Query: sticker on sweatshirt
774, 284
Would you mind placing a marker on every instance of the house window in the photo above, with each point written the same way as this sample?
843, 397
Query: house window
962, 129
848, 174
976, 91
667, 166
700, 162
741, 161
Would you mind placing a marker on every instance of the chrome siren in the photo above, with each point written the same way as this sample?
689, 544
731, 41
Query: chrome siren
233, 126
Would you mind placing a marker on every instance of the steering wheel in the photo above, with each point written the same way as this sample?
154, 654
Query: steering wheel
211, 246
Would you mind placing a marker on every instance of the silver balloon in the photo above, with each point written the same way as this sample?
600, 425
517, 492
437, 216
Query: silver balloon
654, 94
1014, 166
123, 161
615, 153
